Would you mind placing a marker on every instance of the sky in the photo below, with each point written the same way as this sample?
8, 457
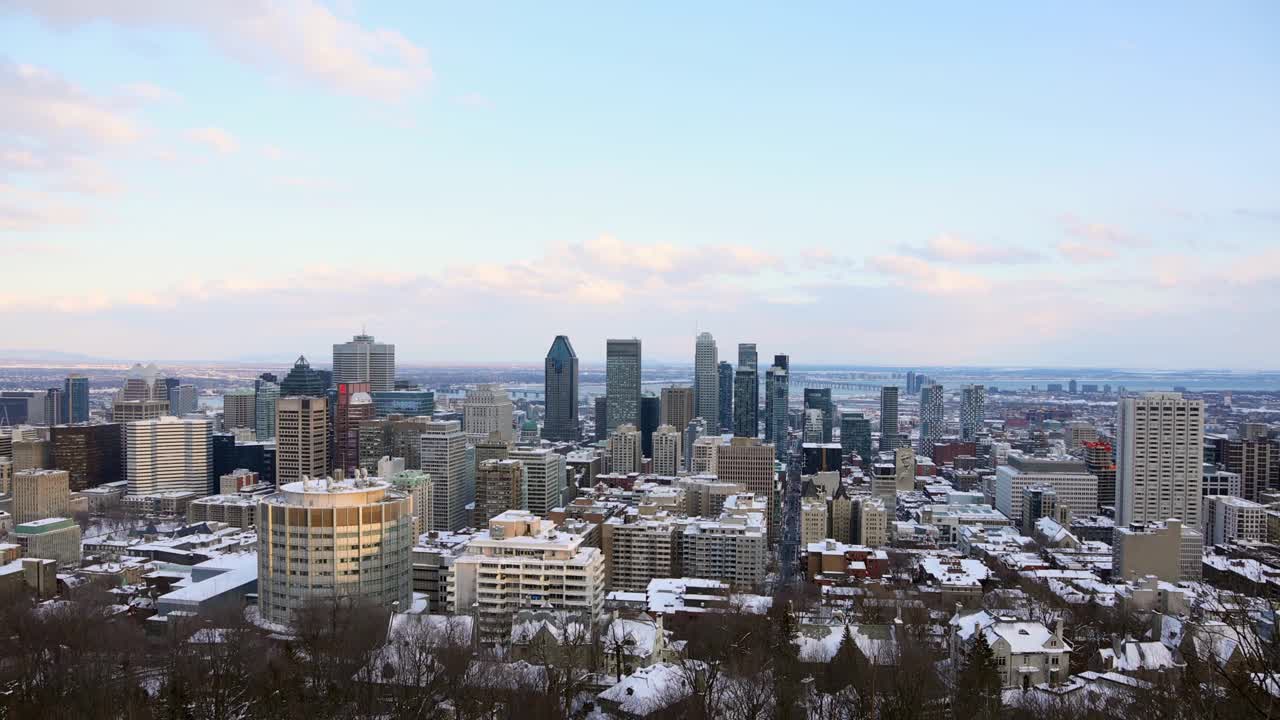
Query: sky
1058, 184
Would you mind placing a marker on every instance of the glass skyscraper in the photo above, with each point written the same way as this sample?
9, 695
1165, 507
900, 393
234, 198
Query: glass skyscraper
560, 385
622, 382
75, 391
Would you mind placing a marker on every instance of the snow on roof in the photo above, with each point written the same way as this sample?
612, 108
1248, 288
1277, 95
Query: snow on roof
636, 637
1022, 637
1133, 656
820, 643
954, 571
648, 689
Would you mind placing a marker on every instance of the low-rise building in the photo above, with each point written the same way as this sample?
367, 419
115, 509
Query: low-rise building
1026, 653
236, 510
1166, 550
1227, 519
835, 563
50, 539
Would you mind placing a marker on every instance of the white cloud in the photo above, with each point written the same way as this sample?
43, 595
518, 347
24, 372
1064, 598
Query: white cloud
300, 38
215, 138
951, 248
927, 277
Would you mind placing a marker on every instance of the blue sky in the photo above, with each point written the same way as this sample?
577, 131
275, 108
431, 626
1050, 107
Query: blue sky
1033, 183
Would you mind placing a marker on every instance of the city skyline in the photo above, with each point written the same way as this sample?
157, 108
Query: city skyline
1046, 172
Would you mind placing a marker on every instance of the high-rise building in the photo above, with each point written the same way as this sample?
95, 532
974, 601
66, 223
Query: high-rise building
1256, 458
650, 418
353, 406
39, 494
144, 383
55, 406
91, 454
749, 463
973, 410
746, 393
668, 454
601, 418
544, 478
444, 458
302, 381
560, 386
624, 450
1230, 519
888, 417
932, 416
696, 428
777, 398
169, 454
498, 489
622, 382
364, 360
677, 406
76, 394
638, 549
706, 382
125, 411
409, 402
1075, 487
855, 435
183, 400
1160, 448
487, 409
239, 409
1100, 462
820, 399
297, 562
911, 382
302, 438
32, 454
725, 396
265, 395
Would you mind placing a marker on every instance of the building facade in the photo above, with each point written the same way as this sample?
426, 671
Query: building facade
169, 454
622, 382
302, 438
1159, 453
365, 360
560, 387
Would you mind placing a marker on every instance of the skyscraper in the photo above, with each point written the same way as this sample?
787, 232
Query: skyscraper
487, 409
602, 418
364, 360
76, 394
668, 454
746, 393
168, 453
144, 383
888, 417
677, 406
544, 481
239, 409
444, 458
353, 406
777, 397
302, 438
624, 450
726, 396
55, 406
302, 381
973, 410
498, 484
91, 454
650, 418
267, 393
706, 382
622, 382
820, 399
1160, 448
931, 418
182, 400
855, 435
1256, 458
560, 386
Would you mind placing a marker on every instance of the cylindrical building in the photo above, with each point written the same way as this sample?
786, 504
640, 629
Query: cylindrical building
325, 540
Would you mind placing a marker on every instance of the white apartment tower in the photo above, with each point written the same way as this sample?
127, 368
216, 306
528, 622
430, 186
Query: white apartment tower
168, 453
625, 450
1159, 453
706, 382
667, 452
444, 458
364, 360
487, 409
302, 438
544, 481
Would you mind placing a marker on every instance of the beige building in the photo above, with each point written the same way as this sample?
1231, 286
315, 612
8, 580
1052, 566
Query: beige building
840, 516
705, 456
704, 495
127, 411
523, 562
239, 409
1227, 519
168, 454
444, 458
322, 540
419, 487
731, 549
50, 539
639, 548
750, 463
498, 484
676, 407
1166, 550
236, 510
1076, 434
544, 480
1159, 456
487, 409
668, 450
873, 522
32, 454
1073, 484
39, 494
625, 450
813, 520
6, 475
1026, 653
302, 438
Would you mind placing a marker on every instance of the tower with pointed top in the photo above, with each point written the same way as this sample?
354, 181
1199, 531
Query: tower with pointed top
560, 387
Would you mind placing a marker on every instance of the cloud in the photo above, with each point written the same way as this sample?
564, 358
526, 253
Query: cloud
1098, 232
215, 138
950, 248
271, 152
927, 277
148, 92
1085, 252
41, 107
299, 38
23, 209
1264, 214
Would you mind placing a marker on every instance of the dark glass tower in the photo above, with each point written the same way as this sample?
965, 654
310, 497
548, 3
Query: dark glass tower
855, 435
820, 399
725, 371
602, 418
649, 411
622, 382
303, 381
75, 391
560, 385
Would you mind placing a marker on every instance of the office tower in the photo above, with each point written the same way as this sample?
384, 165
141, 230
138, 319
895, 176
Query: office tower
1070, 479
1231, 519
498, 486
746, 393
353, 406
6, 475
622, 382
706, 382
749, 463
973, 410
677, 406
91, 454
365, 361
239, 409
1100, 462
1076, 434
821, 457
39, 494
696, 428
31, 454
624, 450
725, 396
182, 400
650, 418
563, 573
932, 416
144, 383
417, 485
1072, 387
302, 438
264, 409
911, 381
777, 397
125, 411
1160, 448
302, 381
888, 417
297, 564
255, 456
640, 548
702, 459
1256, 458
487, 409
811, 430
820, 399
543, 481
560, 386
55, 406
855, 435
169, 454
409, 402
601, 418
75, 391
668, 454
56, 539
444, 458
